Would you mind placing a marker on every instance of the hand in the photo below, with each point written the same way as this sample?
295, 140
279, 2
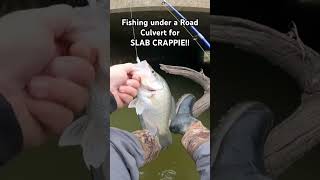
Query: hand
60, 92
123, 85
44, 72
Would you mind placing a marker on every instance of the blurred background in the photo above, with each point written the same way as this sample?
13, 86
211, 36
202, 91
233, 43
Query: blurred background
48, 161
242, 76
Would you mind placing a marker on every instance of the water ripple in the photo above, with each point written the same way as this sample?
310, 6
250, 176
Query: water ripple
168, 174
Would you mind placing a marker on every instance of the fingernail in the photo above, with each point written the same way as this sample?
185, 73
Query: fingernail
39, 88
121, 89
129, 83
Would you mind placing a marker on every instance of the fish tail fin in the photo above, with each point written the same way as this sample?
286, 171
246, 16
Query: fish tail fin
94, 145
165, 139
73, 134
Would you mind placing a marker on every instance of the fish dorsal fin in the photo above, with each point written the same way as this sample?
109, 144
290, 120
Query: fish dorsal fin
73, 134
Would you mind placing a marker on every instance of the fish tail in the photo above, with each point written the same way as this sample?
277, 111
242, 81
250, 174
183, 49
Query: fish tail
94, 146
165, 139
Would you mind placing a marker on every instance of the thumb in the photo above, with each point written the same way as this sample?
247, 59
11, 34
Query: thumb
128, 67
57, 18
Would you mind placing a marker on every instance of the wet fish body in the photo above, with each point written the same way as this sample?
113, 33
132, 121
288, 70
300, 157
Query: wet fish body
154, 103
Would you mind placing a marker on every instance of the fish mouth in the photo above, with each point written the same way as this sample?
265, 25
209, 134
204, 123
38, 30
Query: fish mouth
151, 89
152, 86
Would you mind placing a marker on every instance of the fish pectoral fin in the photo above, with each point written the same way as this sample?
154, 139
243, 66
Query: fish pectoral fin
133, 103
73, 134
140, 108
138, 104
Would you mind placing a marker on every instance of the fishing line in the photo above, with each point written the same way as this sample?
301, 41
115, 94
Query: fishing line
194, 37
134, 34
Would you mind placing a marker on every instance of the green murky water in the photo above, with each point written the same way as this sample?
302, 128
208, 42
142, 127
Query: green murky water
173, 163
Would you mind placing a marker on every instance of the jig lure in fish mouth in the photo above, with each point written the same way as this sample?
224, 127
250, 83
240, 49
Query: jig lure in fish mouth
149, 78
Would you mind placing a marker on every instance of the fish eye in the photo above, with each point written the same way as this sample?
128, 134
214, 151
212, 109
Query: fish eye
152, 71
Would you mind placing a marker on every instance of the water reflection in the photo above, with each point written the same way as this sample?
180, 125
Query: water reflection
168, 174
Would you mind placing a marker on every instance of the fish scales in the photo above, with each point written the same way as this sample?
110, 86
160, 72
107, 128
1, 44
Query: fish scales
154, 103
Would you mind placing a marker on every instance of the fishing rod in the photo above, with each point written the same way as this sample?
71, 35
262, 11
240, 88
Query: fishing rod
195, 33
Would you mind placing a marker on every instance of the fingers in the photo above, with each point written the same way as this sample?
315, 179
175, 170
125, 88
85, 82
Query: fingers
75, 69
120, 104
133, 83
60, 91
51, 116
125, 98
125, 94
135, 74
58, 18
81, 49
127, 67
128, 90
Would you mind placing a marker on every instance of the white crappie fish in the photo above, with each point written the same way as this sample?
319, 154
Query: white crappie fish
90, 130
154, 103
